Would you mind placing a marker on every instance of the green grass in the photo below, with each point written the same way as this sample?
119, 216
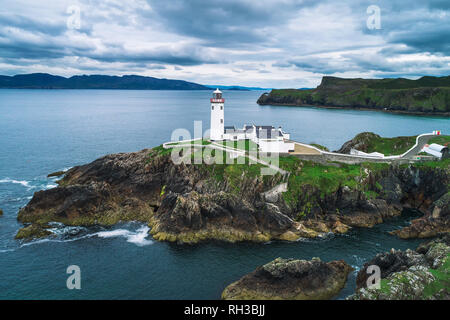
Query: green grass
371, 194
442, 275
384, 286
198, 141
443, 164
295, 93
233, 174
161, 151
246, 145
158, 151
326, 178
318, 146
391, 146
442, 140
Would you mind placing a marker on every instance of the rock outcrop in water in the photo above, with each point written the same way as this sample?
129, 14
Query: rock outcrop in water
33, 231
289, 279
410, 275
433, 223
56, 174
191, 203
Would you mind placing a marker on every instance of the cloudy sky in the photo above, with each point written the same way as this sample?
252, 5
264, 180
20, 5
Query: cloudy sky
268, 43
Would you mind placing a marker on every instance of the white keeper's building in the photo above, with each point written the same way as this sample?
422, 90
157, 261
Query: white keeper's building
267, 138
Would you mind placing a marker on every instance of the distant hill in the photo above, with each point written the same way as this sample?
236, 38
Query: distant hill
237, 88
427, 95
48, 81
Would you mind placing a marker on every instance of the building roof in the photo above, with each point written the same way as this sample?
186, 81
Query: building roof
265, 127
433, 152
234, 131
266, 133
262, 132
437, 147
217, 91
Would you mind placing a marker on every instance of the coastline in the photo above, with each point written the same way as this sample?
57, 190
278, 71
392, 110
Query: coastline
401, 112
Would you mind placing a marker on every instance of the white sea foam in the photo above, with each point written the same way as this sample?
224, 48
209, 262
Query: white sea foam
22, 182
50, 186
359, 261
114, 233
6, 250
138, 237
26, 244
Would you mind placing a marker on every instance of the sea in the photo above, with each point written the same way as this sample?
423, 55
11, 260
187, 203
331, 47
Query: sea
43, 131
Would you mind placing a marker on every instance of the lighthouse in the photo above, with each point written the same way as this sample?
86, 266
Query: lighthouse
217, 116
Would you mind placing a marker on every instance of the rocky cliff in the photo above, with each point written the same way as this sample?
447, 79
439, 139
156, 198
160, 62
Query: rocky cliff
428, 95
191, 203
289, 279
184, 203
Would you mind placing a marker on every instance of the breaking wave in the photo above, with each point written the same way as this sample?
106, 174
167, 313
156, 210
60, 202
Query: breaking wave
138, 237
50, 186
21, 182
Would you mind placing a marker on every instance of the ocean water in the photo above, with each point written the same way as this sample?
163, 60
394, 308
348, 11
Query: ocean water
43, 131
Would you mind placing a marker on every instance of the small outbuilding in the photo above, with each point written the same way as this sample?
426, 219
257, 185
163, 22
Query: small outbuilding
437, 150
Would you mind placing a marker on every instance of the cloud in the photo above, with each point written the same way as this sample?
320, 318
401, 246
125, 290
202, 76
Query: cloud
231, 23
269, 43
422, 26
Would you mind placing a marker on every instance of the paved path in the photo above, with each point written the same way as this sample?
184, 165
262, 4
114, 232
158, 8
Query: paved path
305, 149
422, 140
302, 149
170, 145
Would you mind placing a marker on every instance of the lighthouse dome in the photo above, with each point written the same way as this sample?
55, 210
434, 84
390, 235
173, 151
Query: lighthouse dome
217, 91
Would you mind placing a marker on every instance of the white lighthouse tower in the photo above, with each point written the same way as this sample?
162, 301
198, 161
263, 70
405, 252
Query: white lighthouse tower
217, 116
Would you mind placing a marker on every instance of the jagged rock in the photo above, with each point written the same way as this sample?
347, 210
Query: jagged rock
339, 227
410, 275
55, 174
436, 221
290, 279
33, 231
390, 262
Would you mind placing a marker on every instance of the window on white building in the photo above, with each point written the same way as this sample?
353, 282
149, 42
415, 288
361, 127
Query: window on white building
221, 107
221, 120
213, 107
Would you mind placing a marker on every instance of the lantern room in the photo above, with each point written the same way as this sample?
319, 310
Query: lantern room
217, 97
